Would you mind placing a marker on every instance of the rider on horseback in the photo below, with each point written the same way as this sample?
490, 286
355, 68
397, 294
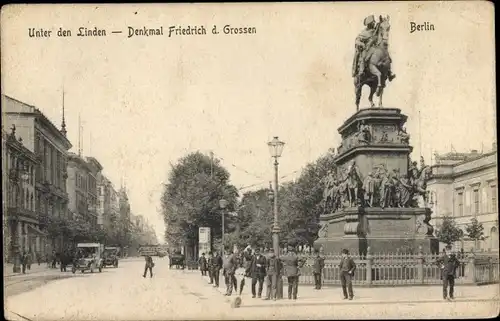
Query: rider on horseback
364, 42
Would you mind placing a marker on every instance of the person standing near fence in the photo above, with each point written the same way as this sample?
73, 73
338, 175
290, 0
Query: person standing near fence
291, 263
202, 262
319, 264
448, 264
258, 272
273, 270
347, 268
230, 266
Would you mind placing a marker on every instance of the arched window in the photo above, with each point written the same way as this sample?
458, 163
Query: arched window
494, 238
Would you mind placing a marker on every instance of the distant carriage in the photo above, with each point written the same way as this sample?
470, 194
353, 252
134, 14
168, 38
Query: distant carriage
178, 259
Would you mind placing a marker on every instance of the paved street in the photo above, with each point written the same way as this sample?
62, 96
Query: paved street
122, 294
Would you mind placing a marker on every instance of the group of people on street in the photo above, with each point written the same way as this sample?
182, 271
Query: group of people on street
268, 269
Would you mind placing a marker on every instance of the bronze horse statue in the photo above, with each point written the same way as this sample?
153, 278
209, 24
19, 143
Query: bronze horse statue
378, 64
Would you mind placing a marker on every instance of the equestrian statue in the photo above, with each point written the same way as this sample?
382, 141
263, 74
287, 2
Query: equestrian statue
372, 63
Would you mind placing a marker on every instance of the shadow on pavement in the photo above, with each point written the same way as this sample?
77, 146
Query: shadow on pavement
354, 302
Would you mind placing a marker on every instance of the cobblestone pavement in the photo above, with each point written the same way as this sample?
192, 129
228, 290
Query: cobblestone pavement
123, 294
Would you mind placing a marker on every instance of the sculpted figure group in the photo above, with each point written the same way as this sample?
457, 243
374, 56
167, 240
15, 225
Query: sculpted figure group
382, 188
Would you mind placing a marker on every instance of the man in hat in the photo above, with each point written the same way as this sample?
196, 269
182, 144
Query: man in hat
347, 268
258, 272
202, 262
291, 264
273, 270
319, 264
363, 42
449, 264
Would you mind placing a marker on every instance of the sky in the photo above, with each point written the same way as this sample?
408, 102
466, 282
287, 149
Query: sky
145, 102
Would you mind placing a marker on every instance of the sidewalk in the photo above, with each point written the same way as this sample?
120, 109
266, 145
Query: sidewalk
307, 295
35, 268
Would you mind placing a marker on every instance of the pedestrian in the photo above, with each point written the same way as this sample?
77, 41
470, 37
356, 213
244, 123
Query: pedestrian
38, 258
347, 268
273, 270
210, 264
291, 264
23, 262
149, 266
230, 264
216, 267
29, 260
449, 264
319, 264
203, 264
54, 259
258, 272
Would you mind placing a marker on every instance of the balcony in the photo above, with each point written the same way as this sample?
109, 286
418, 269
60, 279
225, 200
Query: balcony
22, 214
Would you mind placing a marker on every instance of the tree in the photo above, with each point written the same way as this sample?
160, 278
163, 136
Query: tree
191, 198
448, 232
475, 231
301, 202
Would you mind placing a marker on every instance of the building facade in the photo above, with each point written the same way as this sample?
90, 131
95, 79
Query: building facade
465, 186
50, 147
108, 200
82, 188
22, 225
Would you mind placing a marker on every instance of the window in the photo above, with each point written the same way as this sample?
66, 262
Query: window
475, 199
460, 203
493, 195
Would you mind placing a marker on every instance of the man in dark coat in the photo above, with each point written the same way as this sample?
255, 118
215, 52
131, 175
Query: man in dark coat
319, 264
347, 268
258, 272
149, 266
449, 264
291, 264
210, 263
215, 267
273, 270
203, 264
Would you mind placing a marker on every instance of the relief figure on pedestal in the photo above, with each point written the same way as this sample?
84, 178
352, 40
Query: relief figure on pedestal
354, 184
405, 192
404, 137
372, 62
388, 190
330, 197
420, 185
369, 189
364, 134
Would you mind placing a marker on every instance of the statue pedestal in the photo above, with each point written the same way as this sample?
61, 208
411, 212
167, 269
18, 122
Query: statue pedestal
374, 142
383, 230
384, 147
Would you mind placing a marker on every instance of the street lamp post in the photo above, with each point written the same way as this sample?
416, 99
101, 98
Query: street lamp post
276, 148
223, 204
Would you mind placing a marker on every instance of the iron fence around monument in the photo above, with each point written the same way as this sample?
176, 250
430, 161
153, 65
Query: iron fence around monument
404, 269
